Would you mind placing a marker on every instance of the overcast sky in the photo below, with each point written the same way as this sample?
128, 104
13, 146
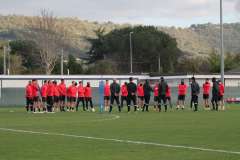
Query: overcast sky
151, 12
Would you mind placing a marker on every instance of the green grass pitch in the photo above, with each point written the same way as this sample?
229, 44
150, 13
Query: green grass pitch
63, 136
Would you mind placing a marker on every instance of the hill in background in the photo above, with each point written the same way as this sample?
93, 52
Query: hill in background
197, 40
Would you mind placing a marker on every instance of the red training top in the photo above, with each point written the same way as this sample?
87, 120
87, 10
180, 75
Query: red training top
81, 91
168, 92
44, 90
182, 89
34, 90
50, 90
155, 90
62, 89
206, 88
124, 91
28, 91
69, 89
140, 91
73, 91
88, 92
56, 91
221, 89
107, 90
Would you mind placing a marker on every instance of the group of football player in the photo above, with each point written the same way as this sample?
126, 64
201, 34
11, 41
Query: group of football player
53, 97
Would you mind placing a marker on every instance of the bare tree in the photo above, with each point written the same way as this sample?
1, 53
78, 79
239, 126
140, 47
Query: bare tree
49, 35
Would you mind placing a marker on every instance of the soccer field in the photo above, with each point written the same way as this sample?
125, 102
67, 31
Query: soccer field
175, 135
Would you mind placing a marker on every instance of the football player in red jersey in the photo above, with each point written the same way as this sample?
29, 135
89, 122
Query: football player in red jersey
81, 97
221, 95
140, 94
107, 94
62, 92
36, 92
182, 91
56, 95
155, 93
124, 93
206, 92
29, 97
44, 95
88, 96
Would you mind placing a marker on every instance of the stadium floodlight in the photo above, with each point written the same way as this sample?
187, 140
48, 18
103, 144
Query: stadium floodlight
222, 47
131, 52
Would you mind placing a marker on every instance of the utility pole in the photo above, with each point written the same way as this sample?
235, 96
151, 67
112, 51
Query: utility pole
4, 60
222, 46
159, 63
131, 52
9, 58
62, 62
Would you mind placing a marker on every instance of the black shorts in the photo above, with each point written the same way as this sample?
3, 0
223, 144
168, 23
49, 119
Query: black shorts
68, 99
205, 96
131, 98
88, 98
220, 98
50, 100
168, 98
36, 99
162, 98
156, 98
141, 98
215, 98
194, 99
44, 99
29, 101
181, 97
123, 97
80, 99
62, 98
107, 98
73, 99
56, 99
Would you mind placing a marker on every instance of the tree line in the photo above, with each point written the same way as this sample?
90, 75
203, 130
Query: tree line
38, 49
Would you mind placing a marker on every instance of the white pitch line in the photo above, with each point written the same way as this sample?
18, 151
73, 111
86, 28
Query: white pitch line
122, 141
114, 117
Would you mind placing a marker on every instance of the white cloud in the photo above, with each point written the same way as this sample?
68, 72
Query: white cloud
238, 5
183, 12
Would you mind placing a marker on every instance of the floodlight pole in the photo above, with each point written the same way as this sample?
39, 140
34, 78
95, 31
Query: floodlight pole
159, 63
4, 60
222, 46
131, 52
9, 58
62, 62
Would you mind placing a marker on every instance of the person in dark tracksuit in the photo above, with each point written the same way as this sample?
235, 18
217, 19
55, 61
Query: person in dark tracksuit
147, 94
132, 88
162, 88
215, 94
195, 90
115, 90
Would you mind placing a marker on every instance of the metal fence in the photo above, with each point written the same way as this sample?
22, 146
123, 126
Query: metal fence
12, 88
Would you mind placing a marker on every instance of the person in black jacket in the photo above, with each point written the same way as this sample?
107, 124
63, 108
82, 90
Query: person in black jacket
215, 94
132, 88
195, 90
147, 94
162, 88
115, 90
